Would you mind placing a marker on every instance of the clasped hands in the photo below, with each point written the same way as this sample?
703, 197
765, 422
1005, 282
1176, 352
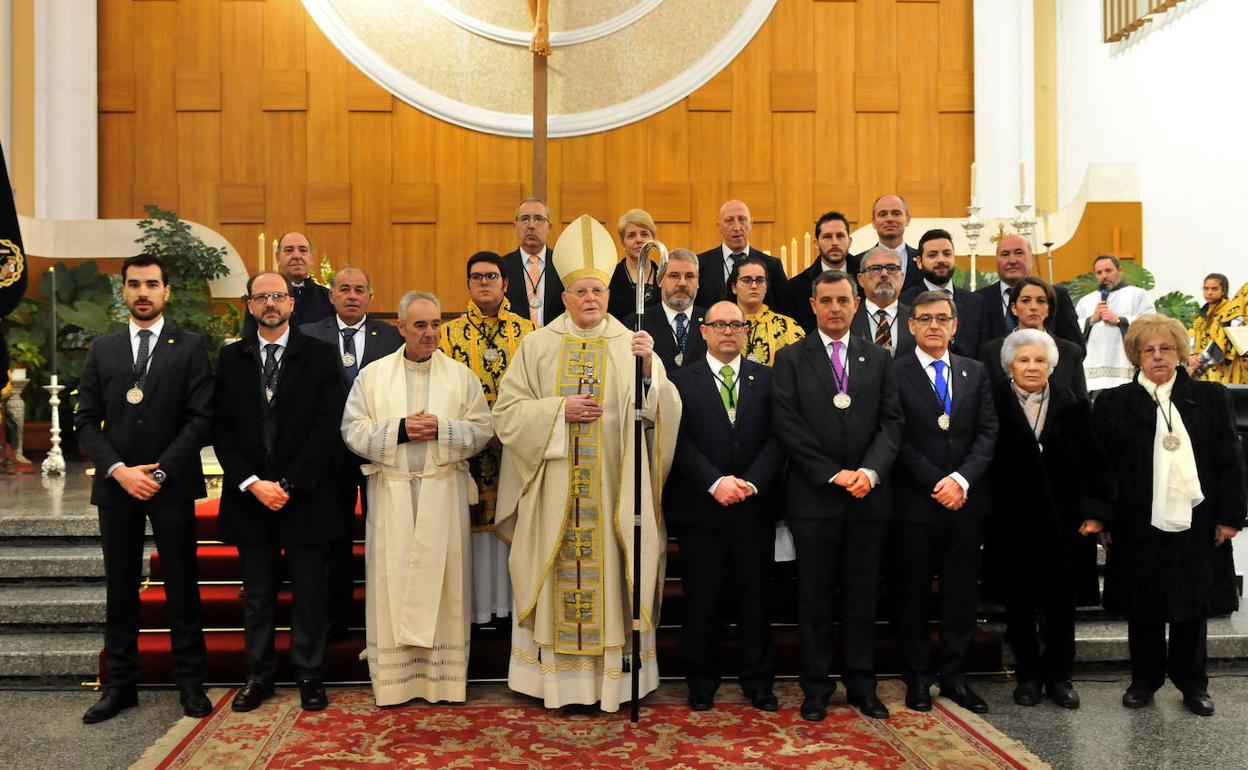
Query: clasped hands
856, 483
137, 480
421, 426
1103, 313
732, 490
949, 493
270, 494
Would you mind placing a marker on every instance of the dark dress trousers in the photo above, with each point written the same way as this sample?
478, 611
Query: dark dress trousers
931, 539
654, 321
1062, 321
713, 283
724, 549
972, 319
1068, 373
838, 537
914, 276
796, 301
302, 420
623, 301
380, 339
861, 328
515, 270
1035, 560
1156, 577
169, 426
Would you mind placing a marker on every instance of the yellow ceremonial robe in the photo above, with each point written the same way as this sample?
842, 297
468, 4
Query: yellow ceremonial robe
565, 505
769, 331
1209, 326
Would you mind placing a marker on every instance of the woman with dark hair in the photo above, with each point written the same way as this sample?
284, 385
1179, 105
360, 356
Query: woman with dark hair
1177, 470
1039, 556
769, 331
1209, 327
1032, 301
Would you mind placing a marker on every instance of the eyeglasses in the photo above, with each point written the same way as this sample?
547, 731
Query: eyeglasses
728, 327
596, 292
877, 269
531, 219
927, 318
749, 280
1165, 350
483, 277
264, 297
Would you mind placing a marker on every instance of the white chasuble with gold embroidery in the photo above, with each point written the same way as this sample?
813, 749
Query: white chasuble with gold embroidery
565, 505
417, 553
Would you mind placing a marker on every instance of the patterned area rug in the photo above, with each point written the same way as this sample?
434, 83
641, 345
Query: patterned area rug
498, 729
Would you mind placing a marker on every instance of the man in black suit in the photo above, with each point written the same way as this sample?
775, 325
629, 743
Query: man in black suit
838, 419
890, 215
937, 266
941, 496
674, 321
715, 264
881, 318
1014, 262
279, 397
360, 340
144, 412
295, 261
833, 241
716, 497
533, 286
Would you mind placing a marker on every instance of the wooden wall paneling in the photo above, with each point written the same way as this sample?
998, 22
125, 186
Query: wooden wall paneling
370, 198
759, 196
793, 37
286, 169
919, 130
836, 134
116, 164
584, 188
284, 34
455, 161
329, 155
116, 91
751, 115
284, 89
199, 35
364, 95
667, 202
501, 164
411, 142
115, 32
241, 202
243, 238
710, 170
156, 140
334, 241
413, 247
835, 196
877, 170
955, 91
624, 166
497, 201
242, 156
715, 95
577, 198
957, 151
876, 26
794, 140
163, 194
667, 145
957, 41
414, 202
197, 90
793, 91
199, 165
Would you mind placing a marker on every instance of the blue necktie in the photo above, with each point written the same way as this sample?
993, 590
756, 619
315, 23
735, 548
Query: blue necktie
942, 386
682, 331
348, 346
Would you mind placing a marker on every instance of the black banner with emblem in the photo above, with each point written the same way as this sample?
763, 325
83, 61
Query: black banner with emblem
13, 272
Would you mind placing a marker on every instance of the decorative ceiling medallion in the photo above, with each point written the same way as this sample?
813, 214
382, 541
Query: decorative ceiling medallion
468, 63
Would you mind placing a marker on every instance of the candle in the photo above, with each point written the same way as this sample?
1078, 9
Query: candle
261, 255
973, 183
273, 257
784, 258
1022, 181
807, 262
52, 270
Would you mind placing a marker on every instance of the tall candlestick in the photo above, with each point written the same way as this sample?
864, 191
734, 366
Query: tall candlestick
1022, 181
784, 256
260, 255
273, 256
808, 255
52, 340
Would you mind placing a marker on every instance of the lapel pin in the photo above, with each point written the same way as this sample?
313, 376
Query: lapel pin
750, 377
861, 360
963, 374
373, 332
171, 340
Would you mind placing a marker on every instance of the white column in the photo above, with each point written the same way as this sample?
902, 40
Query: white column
1005, 84
66, 134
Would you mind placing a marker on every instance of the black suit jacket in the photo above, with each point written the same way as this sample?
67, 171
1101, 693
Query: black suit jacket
821, 440
914, 276
928, 454
308, 409
383, 339
709, 446
1068, 373
712, 286
860, 327
796, 302
1062, 321
654, 321
169, 426
518, 292
972, 318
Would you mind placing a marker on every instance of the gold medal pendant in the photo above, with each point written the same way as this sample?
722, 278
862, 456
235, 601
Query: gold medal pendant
680, 359
732, 416
490, 355
842, 400
134, 395
943, 422
268, 394
535, 302
348, 360
1171, 443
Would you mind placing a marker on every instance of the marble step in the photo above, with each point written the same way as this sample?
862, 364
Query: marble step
55, 562
50, 655
31, 526
51, 605
1106, 641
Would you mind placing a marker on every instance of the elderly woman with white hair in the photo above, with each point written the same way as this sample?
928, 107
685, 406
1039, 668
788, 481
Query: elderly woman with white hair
1178, 471
1039, 558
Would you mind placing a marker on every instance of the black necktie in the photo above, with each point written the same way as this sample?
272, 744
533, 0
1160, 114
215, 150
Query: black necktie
348, 347
140, 363
270, 370
682, 331
736, 260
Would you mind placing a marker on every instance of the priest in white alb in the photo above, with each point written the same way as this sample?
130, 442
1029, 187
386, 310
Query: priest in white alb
417, 416
1104, 316
565, 416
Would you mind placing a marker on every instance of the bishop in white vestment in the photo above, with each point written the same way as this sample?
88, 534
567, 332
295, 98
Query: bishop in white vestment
565, 417
417, 416
1104, 323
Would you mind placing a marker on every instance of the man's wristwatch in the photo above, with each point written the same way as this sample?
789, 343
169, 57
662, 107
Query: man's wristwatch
159, 476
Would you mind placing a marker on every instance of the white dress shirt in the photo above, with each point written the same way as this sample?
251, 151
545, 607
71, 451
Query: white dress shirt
358, 338
727, 252
947, 288
281, 343
716, 365
671, 320
537, 314
926, 361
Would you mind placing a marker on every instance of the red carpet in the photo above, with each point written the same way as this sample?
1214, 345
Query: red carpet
497, 729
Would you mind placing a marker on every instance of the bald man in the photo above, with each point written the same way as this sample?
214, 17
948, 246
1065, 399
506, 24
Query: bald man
734, 225
1014, 263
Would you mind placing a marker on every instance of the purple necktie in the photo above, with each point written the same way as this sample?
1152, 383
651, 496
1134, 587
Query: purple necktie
838, 369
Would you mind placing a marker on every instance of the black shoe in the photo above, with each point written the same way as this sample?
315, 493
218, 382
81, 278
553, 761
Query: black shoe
1137, 697
1199, 703
764, 701
965, 697
111, 703
312, 696
814, 709
1063, 694
194, 702
254, 693
870, 705
1027, 693
701, 701
918, 698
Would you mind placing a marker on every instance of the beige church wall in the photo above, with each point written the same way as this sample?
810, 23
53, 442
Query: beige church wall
241, 115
